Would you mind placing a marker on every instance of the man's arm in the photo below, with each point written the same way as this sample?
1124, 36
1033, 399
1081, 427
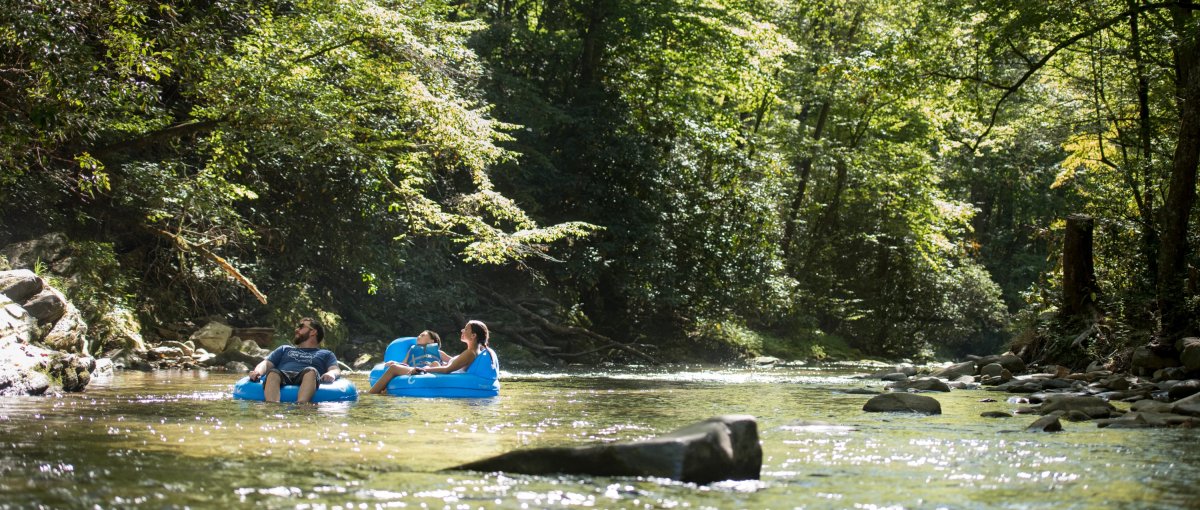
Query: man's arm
261, 369
266, 365
333, 372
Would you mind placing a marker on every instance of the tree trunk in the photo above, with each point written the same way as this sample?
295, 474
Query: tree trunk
1079, 274
1145, 157
1181, 193
805, 165
829, 218
805, 168
593, 48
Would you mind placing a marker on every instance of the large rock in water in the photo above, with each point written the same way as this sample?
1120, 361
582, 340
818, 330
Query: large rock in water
903, 403
923, 384
719, 448
119, 329
1092, 407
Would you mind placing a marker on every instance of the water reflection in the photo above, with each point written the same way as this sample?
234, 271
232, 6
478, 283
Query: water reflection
176, 439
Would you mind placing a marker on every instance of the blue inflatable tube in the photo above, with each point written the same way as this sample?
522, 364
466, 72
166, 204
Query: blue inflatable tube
481, 379
340, 390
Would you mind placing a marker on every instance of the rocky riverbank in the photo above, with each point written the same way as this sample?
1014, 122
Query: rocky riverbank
44, 343
1167, 397
43, 340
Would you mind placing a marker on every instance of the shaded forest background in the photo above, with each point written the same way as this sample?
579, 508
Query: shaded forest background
604, 180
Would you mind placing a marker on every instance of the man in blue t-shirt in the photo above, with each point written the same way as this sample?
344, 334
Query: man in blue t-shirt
303, 365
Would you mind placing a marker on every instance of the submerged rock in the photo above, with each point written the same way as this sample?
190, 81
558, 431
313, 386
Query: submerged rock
903, 403
923, 384
1092, 407
1136, 420
1048, 423
720, 448
861, 391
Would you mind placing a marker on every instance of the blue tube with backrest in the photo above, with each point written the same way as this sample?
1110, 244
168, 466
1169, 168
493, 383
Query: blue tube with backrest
480, 380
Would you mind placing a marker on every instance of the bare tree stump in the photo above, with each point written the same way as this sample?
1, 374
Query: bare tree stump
1079, 273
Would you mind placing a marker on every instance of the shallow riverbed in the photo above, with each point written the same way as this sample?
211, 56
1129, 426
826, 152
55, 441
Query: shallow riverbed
175, 439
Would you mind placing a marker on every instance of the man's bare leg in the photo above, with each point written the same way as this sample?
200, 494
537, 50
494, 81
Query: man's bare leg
271, 387
308, 386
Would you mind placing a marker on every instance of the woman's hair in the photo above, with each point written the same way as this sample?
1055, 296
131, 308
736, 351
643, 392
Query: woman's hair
480, 329
432, 336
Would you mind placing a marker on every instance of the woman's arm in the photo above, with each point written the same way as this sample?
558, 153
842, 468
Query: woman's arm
461, 361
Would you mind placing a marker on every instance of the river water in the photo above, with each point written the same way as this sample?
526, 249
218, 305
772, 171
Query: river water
176, 439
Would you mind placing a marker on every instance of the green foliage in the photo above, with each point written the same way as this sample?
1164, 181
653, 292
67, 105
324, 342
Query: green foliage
805, 342
1096, 130
836, 173
639, 118
247, 141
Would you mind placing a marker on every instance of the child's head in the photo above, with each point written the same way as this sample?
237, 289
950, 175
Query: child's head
428, 337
